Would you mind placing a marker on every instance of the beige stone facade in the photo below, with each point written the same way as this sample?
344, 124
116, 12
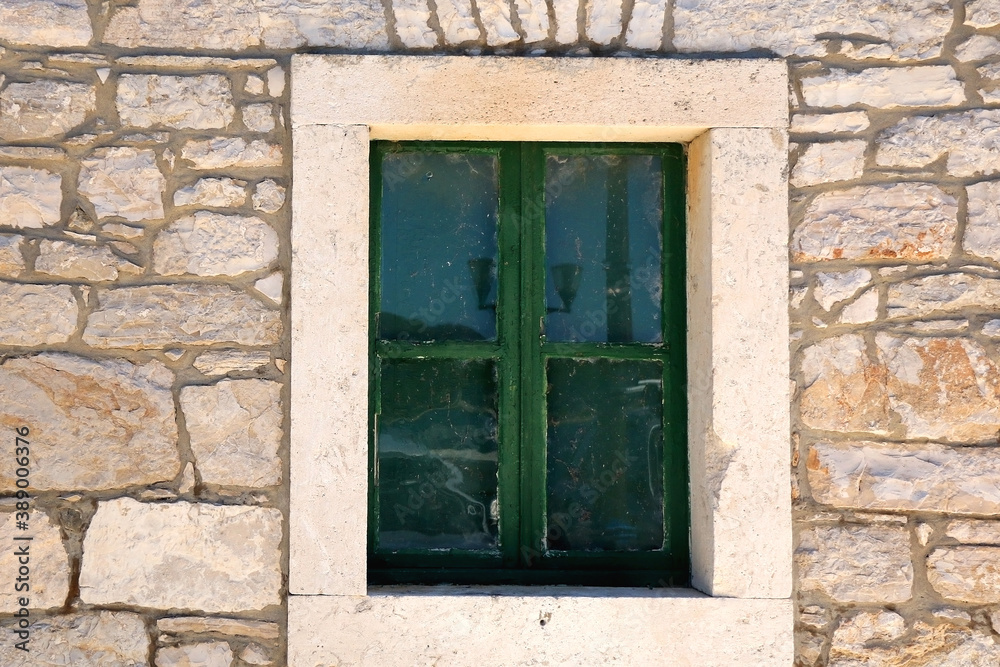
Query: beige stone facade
146, 300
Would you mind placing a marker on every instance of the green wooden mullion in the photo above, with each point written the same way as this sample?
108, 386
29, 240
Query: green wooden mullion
461, 350
508, 324
532, 371
635, 351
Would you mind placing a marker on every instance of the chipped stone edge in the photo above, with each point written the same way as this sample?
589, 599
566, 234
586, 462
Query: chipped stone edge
739, 405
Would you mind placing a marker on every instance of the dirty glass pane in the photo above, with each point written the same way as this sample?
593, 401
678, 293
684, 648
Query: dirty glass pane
439, 246
437, 455
604, 455
603, 247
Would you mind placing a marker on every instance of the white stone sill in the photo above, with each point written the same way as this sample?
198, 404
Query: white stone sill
502, 627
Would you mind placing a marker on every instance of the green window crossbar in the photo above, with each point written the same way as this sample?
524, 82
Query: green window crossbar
528, 407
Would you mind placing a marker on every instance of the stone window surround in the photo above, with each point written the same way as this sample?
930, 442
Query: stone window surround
733, 116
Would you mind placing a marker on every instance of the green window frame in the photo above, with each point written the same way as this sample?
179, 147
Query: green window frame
521, 356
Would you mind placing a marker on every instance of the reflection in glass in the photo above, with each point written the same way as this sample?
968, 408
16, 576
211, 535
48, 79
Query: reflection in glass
439, 215
604, 455
437, 455
603, 244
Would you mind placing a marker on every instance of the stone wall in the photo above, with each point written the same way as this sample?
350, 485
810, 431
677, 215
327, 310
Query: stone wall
144, 246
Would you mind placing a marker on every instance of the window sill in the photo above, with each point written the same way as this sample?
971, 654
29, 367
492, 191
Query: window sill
517, 625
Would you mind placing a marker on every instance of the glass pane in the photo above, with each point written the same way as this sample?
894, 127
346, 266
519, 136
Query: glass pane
605, 455
603, 247
439, 246
437, 455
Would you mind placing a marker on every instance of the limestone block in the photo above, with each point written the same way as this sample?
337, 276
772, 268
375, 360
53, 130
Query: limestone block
903, 220
225, 152
186, 24
219, 192
95, 425
863, 310
36, 314
966, 574
45, 23
971, 141
271, 286
123, 182
205, 654
235, 428
220, 362
910, 28
645, 27
258, 117
972, 531
832, 288
71, 260
829, 162
182, 556
982, 13
213, 244
856, 563
852, 633
888, 476
944, 645
184, 102
276, 80
496, 18
91, 639
413, 23
161, 315
11, 260
604, 20
830, 123
534, 17
942, 388
29, 197
843, 390
224, 626
48, 560
268, 196
254, 654
982, 231
977, 47
254, 84
992, 328
290, 23
885, 87
944, 293
43, 108
567, 31
457, 21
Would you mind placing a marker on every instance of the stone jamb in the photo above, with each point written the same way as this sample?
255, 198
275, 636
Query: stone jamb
733, 115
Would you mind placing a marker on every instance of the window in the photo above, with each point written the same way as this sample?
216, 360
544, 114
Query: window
528, 364
733, 116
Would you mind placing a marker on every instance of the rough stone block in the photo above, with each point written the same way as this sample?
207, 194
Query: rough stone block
966, 574
223, 152
84, 262
204, 654
843, 390
832, 288
942, 294
160, 315
982, 230
184, 102
11, 259
925, 477
95, 424
48, 560
29, 197
182, 556
829, 162
220, 362
123, 182
45, 22
856, 563
212, 244
36, 314
902, 220
224, 626
268, 197
972, 531
944, 645
235, 428
910, 29
971, 141
830, 123
91, 639
43, 109
218, 192
885, 87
